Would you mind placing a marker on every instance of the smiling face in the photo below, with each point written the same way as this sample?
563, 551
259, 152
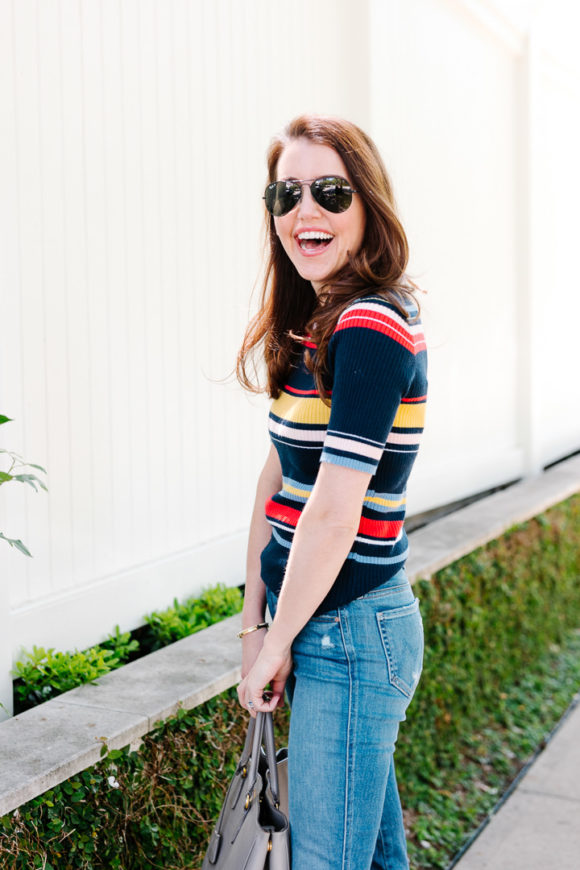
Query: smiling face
317, 241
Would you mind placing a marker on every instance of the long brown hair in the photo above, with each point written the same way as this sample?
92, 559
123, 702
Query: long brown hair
289, 307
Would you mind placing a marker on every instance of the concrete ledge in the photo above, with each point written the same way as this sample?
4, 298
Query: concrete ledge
449, 538
44, 746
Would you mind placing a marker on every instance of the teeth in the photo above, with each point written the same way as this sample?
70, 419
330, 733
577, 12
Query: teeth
312, 234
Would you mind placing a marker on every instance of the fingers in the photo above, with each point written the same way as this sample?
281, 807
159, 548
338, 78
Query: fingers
257, 702
266, 671
264, 704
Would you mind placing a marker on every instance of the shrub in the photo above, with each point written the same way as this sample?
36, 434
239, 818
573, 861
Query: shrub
44, 673
192, 615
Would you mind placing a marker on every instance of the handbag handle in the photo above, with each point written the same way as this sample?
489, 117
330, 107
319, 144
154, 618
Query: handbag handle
271, 757
263, 733
247, 750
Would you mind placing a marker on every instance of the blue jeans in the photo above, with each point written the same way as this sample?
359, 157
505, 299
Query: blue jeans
355, 672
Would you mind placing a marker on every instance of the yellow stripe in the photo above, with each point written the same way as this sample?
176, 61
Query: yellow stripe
295, 491
410, 416
374, 499
386, 502
298, 409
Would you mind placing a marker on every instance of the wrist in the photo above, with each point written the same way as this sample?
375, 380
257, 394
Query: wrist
275, 644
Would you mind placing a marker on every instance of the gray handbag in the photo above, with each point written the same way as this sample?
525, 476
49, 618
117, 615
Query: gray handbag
252, 832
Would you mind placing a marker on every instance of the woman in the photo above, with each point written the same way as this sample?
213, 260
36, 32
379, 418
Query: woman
346, 366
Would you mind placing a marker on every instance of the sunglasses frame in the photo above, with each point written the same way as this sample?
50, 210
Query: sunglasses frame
309, 183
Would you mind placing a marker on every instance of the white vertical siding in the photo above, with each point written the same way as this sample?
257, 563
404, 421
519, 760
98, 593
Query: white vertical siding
558, 131
131, 166
446, 119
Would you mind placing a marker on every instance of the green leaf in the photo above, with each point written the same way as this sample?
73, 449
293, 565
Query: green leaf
115, 753
4, 419
4, 476
16, 543
31, 480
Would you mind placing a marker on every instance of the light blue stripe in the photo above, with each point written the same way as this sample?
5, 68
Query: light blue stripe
348, 462
386, 495
379, 560
291, 496
282, 541
367, 560
383, 508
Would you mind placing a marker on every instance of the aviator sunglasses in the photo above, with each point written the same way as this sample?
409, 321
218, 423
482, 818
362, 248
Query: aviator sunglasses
331, 192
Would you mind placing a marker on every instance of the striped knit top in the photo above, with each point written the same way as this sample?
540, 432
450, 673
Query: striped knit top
377, 364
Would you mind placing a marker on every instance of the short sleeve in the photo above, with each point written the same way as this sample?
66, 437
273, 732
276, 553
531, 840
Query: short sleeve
372, 361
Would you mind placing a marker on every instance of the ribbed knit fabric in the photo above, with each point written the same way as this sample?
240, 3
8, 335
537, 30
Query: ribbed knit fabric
378, 381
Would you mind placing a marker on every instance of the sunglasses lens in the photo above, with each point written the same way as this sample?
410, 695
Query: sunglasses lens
332, 193
281, 197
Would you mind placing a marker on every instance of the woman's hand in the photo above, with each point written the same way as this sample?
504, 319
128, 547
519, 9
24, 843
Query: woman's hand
270, 667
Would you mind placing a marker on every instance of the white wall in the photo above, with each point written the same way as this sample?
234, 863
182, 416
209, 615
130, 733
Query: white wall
126, 265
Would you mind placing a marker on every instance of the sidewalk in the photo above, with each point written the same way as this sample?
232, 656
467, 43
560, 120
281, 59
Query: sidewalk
539, 824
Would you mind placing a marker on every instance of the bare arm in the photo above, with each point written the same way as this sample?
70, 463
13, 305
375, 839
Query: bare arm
324, 536
269, 482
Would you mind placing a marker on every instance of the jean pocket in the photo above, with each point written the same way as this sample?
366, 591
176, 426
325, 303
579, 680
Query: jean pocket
401, 630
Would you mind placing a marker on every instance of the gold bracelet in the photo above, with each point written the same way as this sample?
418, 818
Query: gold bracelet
252, 628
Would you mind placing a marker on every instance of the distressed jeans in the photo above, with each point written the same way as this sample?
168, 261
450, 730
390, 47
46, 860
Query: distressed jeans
355, 672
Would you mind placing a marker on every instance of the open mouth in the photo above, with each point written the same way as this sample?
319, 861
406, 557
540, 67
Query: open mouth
314, 240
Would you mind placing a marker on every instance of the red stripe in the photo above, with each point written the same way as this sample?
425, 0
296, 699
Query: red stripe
380, 528
389, 326
379, 323
294, 391
371, 528
415, 399
309, 344
282, 512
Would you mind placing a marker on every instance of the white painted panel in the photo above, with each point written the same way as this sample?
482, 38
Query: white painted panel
559, 281
98, 287
450, 143
115, 168
57, 362
13, 499
33, 279
135, 477
77, 286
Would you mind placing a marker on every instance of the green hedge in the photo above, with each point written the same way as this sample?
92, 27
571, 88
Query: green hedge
502, 662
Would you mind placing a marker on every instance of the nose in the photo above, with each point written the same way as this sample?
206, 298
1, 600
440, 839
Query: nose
307, 205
